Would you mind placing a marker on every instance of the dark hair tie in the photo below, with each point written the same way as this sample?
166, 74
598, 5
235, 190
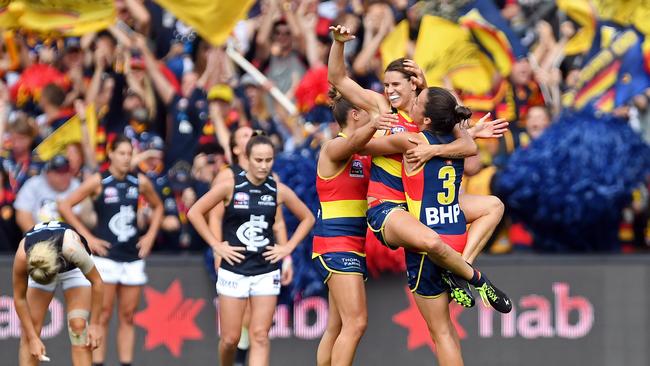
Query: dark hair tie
462, 112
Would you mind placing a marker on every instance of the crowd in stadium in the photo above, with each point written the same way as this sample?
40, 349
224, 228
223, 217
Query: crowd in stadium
181, 100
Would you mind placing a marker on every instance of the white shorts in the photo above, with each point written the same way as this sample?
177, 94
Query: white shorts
69, 279
242, 286
123, 273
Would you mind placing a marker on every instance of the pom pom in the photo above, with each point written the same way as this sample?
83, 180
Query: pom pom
571, 184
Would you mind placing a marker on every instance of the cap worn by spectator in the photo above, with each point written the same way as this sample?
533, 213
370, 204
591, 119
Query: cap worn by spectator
59, 164
180, 176
221, 92
137, 62
248, 80
72, 44
152, 142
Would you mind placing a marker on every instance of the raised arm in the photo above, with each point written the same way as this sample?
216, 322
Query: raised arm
309, 40
82, 110
221, 131
140, 14
293, 17
365, 99
160, 82
93, 88
263, 39
371, 42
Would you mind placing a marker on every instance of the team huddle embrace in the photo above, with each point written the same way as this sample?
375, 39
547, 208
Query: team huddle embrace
395, 168
391, 175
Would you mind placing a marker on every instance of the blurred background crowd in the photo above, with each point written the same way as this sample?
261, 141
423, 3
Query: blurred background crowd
563, 173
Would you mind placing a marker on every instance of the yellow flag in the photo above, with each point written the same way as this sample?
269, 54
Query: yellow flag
212, 19
68, 17
394, 45
494, 41
68, 133
581, 12
444, 50
6, 18
625, 12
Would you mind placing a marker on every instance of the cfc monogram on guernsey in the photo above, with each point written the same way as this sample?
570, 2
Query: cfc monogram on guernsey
386, 172
341, 220
248, 222
52, 231
116, 208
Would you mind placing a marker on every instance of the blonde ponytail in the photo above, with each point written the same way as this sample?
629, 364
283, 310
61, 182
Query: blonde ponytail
42, 262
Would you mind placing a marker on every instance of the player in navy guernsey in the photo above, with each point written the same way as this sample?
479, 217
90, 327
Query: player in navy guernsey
53, 253
431, 191
238, 141
250, 253
115, 240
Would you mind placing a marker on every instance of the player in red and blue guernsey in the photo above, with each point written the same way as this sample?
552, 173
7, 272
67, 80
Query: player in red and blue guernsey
387, 211
432, 197
339, 237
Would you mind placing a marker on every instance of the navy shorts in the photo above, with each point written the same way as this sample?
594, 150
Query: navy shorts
377, 216
340, 263
424, 277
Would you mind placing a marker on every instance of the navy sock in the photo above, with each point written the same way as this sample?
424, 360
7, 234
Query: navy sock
98, 364
477, 279
240, 356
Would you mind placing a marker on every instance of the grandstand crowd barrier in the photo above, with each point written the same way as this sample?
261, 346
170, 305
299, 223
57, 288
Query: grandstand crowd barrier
568, 310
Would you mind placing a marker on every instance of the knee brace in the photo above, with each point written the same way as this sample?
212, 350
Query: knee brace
75, 338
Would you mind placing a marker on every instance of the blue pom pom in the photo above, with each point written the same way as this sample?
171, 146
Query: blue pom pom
570, 185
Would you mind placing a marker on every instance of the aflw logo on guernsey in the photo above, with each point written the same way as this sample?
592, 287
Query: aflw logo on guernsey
356, 169
111, 195
397, 129
241, 200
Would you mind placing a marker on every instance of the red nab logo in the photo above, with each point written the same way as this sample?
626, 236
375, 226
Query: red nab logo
532, 317
169, 318
419, 335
